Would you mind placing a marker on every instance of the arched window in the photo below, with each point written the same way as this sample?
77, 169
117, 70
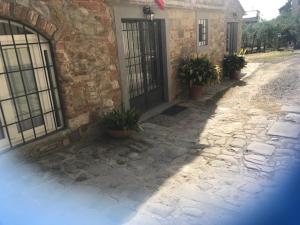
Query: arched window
29, 101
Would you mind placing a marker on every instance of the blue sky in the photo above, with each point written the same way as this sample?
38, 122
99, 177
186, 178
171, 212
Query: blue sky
268, 8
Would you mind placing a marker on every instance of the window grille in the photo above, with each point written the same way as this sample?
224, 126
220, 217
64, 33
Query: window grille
203, 32
29, 99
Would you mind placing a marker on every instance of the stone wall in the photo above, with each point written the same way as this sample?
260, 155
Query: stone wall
183, 32
183, 40
187, 4
216, 38
85, 51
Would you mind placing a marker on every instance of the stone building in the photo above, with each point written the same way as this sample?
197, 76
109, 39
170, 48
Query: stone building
64, 62
252, 17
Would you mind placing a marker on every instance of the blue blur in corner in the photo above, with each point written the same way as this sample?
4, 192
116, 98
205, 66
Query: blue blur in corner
283, 209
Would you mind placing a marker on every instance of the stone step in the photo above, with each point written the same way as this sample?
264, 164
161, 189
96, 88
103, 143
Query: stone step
293, 117
285, 129
261, 149
291, 109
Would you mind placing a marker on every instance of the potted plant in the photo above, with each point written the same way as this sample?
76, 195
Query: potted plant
121, 123
232, 66
198, 72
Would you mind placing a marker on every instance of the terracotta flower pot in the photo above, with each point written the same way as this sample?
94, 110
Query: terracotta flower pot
236, 75
120, 134
196, 92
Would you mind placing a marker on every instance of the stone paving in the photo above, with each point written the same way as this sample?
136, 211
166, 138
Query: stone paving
203, 166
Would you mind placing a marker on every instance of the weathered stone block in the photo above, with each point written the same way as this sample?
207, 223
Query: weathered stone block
32, 17
21, 12
285, 129
5, 9
261, 148
292, 109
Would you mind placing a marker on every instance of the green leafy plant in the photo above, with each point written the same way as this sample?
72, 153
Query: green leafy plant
199, 71
243, 52
233, 63
122, 120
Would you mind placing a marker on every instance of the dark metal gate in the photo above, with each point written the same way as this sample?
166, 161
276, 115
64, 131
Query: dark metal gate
143, 55
232, 38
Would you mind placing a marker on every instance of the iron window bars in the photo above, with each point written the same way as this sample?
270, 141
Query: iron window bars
203, 32
29, 98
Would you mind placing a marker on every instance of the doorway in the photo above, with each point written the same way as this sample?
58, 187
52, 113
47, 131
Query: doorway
232, 37
142, 41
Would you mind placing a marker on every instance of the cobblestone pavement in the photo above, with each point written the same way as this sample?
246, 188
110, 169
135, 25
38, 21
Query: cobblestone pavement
202, 166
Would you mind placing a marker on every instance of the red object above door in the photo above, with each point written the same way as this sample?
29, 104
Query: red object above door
160, 3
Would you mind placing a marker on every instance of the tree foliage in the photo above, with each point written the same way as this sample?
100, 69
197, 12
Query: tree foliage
286, 8
279, 32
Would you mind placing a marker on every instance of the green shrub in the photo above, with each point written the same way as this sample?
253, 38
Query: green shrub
199, 71
232, 63
121, 120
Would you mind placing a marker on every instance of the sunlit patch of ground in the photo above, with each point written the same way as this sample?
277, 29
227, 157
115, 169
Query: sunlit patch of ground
270, 56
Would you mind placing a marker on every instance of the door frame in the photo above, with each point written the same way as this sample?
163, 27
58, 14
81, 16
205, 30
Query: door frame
132, 12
